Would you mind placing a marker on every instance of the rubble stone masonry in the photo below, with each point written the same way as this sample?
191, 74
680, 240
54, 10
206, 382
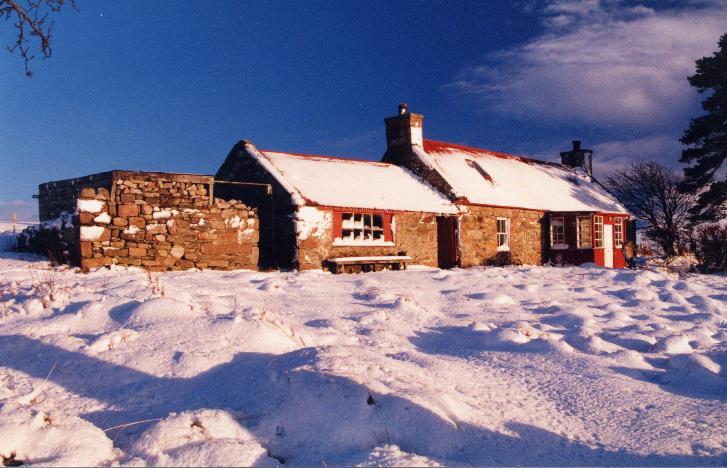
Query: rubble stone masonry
478, 236
162, 221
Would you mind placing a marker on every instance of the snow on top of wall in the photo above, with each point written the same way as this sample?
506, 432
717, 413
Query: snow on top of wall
490, 178
356, 184
310, 221
91, 233
91, 206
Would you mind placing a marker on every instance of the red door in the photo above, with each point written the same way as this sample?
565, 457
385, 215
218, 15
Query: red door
447, 251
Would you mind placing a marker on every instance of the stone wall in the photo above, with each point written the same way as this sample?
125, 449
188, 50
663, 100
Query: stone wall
58, 197
165, 222
478, 236
415, 235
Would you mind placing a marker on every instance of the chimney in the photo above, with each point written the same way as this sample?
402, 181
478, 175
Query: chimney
404, 129
578, 157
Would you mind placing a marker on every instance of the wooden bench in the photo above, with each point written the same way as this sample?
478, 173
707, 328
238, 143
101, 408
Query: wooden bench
366, 264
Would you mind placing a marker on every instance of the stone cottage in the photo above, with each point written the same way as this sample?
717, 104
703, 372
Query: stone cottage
426, 202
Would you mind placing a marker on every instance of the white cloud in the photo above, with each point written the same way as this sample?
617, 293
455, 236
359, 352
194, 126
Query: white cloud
617, 154
601, 63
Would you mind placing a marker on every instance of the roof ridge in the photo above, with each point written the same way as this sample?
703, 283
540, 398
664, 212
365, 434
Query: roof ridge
436, 144
337, 158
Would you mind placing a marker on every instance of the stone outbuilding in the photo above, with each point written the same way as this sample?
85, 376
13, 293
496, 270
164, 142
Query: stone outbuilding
159, 221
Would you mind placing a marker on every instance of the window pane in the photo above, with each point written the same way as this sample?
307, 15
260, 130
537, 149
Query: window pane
584, 232
362, 227
503, 236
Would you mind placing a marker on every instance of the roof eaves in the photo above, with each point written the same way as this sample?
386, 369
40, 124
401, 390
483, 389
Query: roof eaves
261, 159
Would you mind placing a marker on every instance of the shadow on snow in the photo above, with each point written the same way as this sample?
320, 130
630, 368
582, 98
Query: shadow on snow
325, 417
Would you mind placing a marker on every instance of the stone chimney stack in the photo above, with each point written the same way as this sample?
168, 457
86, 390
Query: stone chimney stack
404, 129
578, 157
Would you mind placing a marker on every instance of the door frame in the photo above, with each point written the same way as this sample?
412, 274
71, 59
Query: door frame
448, 242
608, 245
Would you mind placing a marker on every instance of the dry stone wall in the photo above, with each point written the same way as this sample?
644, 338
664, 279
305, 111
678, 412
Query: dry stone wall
59, 197
478, 236
165, 222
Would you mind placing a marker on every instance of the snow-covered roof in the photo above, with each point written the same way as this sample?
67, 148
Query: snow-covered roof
350, 183
486, 177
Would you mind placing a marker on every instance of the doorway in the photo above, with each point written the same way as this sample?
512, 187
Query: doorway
447, 241
608, 245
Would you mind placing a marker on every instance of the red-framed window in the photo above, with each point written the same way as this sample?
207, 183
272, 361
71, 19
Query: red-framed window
358, 227
584, 232
598, 231
618, 231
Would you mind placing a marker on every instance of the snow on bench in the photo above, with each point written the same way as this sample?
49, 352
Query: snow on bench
366, 264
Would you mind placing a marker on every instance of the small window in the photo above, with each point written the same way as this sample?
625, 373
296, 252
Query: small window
598, 225
618, 232
557, 232
583, 228
362, 227
503, 234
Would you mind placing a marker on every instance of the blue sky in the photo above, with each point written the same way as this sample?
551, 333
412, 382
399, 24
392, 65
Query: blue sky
171, 86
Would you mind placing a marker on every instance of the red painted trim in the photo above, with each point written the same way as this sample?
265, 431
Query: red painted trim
388, 233
439, 146
377, 210
337, 224
614, 213
337, 230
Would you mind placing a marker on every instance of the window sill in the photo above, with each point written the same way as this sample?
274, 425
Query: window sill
559, 247
503, 248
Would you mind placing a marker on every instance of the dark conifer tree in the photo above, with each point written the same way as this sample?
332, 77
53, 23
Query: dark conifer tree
706, 138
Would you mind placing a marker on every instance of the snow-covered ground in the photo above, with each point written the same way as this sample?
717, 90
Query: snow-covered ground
520, 365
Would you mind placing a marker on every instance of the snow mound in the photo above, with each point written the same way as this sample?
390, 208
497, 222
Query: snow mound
593, 344
201, 438
390, 455
113, 340
696, 373
503, 299
49, 438
674, 344
162, 309
630, 358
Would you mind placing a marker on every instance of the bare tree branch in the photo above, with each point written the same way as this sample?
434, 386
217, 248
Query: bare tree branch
30, 18
651, 192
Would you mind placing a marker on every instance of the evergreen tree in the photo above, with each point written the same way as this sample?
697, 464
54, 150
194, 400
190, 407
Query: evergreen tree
706, 138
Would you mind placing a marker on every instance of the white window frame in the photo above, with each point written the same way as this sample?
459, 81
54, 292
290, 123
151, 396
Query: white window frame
598, 232
360, 228
503, 235
555, 241
618, 232
579, 234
